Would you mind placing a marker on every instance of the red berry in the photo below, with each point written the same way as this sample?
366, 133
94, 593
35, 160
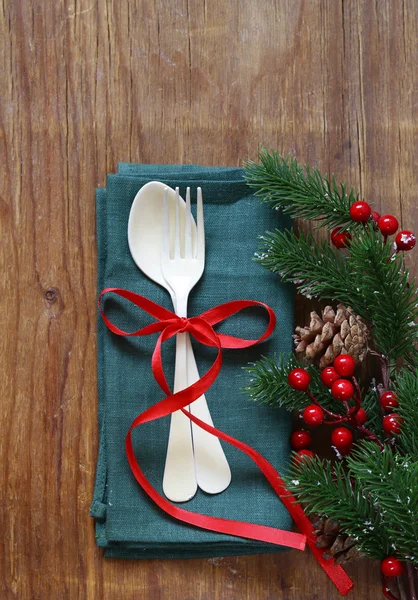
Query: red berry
388, 225
345, 365
388, 401
313, 415
392, 423
361, 416
391, 566
300, 439
405, 240
375, 216
344, 450
342, 389
340, 239
360, 211
341, 438
328, 376
303, 455
299, 379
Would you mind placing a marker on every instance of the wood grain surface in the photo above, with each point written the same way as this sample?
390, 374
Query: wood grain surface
88, 83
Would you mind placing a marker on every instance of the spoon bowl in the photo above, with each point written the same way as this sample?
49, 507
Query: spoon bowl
145, 226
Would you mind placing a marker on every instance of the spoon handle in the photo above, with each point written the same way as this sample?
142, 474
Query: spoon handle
179, 481
212, 469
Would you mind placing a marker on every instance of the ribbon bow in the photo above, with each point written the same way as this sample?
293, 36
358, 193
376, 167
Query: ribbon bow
168, 324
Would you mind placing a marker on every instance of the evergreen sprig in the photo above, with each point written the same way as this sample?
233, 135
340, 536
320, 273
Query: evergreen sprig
314, 267
406, 389
330, 491
388, 300
370, 403
390, 480
300, 191
411, 359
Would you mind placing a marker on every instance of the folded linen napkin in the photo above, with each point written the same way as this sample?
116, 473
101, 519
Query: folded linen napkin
128, 524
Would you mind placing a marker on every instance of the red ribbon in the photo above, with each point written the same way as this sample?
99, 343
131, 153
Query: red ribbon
167, 325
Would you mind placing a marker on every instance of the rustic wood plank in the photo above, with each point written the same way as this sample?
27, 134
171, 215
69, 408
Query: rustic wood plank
87, 84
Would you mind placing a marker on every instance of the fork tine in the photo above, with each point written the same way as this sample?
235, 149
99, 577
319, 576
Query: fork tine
165, 233
188, 228
200, 245
177, 226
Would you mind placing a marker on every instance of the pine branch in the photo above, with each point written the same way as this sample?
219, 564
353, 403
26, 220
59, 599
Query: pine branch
388, 300
268, 384
406, 389
391, 482
312, 266
300, 192
370, 403
328, 490
411, 359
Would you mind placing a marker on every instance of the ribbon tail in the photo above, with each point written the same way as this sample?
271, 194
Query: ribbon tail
335, 572
263, 533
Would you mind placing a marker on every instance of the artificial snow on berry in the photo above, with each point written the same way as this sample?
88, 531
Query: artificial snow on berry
360, 211
340, 239
344, 365
328, 376
392, 423
303, 455
391, 567
313, 415
405, 240
300, 439
361, 416
388, 225
389, 400
299, 379
342, 390
341, 438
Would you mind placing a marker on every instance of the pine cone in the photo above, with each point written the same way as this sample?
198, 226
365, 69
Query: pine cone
341, 332
335, 544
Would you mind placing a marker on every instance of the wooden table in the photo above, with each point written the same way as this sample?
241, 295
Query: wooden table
86, 84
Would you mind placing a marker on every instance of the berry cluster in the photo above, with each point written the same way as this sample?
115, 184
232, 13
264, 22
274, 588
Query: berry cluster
392, 421
361, 212
340, 379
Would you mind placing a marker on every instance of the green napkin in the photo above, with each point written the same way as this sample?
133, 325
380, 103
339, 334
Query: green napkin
128, 524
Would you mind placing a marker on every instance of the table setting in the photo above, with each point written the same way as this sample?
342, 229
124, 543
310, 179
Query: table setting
200, 497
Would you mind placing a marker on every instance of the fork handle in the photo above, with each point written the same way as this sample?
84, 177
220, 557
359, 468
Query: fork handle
179, 481
212, 469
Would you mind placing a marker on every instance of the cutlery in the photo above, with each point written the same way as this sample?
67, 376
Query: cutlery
145, 242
